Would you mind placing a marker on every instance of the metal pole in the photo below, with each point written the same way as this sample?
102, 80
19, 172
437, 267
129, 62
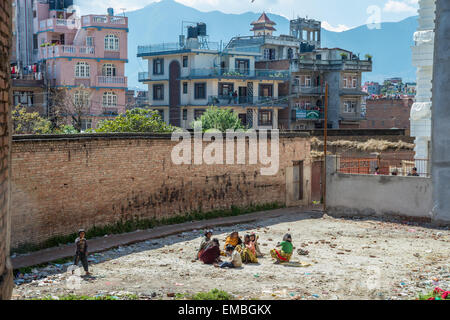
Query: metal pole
325, 138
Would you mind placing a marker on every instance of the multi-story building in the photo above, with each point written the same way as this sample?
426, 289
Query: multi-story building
84, 55
185, 78
310, 67
342, 71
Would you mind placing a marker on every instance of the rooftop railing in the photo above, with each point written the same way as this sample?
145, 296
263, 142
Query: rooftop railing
103, 21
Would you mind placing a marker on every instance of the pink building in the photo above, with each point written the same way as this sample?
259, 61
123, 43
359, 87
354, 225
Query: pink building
87, 55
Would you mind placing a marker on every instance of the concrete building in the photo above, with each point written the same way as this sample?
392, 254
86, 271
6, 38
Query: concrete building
185, 78
342, 70
371, 88
423, 52
85, 55
310, 67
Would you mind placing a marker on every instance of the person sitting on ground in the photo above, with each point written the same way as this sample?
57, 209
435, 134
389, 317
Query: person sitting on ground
206, 241
285, 254
395, 172
254, 238
248, 252
82, 251
233, 239
211, 254
235, 258
413, 173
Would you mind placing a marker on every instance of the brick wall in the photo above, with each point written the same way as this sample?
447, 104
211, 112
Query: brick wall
62, 184
388, 113
5, 44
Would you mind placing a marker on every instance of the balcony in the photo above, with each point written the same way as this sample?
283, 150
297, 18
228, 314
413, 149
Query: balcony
351, 116
330, 65
59, 25
239, 74
104, 21
352, 92
114, 82
66, 51
162, 48
221, 101
143, 76
308, 91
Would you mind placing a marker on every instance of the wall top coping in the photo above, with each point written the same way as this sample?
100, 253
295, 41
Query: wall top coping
128, 136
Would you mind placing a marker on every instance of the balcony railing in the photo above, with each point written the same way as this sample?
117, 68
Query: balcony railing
343, 64
63, 50
172, 46
226, 100
239, 73
112, 81
59, 23
143, 76
302, 90
103, 21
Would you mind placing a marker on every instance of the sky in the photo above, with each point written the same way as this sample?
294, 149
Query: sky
336, 15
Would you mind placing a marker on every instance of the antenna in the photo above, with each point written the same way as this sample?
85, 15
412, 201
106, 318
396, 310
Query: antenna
123, 9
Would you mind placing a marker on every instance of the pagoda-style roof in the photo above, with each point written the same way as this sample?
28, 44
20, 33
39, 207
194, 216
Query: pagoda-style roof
264, 19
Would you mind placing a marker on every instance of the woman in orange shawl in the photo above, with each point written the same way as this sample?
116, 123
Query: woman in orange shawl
233, 240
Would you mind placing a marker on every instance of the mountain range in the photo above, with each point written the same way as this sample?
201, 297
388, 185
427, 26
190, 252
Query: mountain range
159, 22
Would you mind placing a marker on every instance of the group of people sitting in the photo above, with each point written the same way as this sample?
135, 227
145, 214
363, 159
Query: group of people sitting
240, 251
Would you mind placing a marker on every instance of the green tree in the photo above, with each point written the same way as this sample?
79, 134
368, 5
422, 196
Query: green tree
220, 119
29, 122
136, 120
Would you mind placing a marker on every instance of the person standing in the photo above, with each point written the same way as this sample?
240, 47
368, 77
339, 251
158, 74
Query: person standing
82, 253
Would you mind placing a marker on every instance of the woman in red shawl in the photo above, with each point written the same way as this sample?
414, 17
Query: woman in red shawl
211, 254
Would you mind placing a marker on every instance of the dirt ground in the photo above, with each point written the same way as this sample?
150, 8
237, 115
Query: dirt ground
349, 259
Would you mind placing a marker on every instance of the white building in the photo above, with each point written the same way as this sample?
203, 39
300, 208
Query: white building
423, 59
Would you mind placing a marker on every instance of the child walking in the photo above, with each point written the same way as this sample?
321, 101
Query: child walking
285, 254
82, 253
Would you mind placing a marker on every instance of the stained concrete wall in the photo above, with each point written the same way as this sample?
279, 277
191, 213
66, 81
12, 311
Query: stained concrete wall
353, 194
441, 114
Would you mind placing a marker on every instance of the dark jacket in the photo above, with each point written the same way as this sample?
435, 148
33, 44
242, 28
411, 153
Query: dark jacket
82, 245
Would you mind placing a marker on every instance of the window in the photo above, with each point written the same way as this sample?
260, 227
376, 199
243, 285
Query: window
225, 89
354, 82
86, 124
184, 114
265, 117
242, 66
161, 113
81, 99
82, 70
89, 41
200, 91
198, 113
24, 98
185, 87
109, 100
111, 42
109, 70
269, 54
185, 61
158, 66
158, 92
350, 106
266, 90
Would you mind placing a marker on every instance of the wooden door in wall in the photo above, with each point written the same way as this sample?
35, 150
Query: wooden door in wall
174, 93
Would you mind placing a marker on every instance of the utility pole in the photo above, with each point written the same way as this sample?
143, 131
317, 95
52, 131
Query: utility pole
325, 138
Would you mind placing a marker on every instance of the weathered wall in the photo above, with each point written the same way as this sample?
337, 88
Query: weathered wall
62, 184
5, 102
353, 194
441, 113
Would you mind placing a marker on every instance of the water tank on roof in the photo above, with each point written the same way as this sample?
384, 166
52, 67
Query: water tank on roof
110, 12
201, 29
192, 32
